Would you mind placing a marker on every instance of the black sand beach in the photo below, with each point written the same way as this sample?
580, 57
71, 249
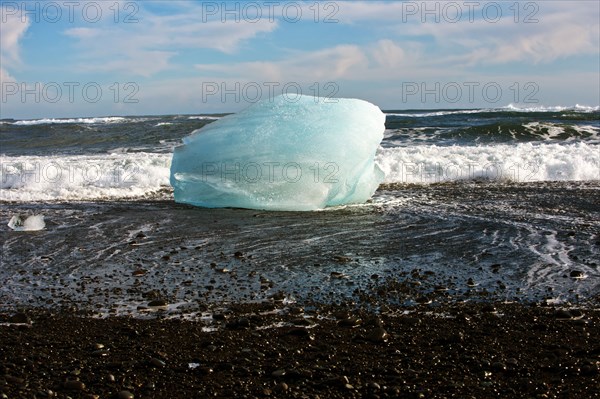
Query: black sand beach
490, 350
413, 298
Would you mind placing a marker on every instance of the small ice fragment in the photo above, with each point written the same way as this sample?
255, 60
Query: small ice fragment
31, 223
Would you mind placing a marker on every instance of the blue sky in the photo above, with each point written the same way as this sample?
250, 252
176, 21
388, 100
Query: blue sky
94, 58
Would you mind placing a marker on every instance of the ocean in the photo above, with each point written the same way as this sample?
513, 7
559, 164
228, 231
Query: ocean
478, 203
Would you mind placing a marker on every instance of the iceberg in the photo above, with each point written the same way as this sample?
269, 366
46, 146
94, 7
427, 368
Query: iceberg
293, 154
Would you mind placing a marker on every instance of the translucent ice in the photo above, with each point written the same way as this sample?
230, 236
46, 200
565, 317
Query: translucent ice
23, 223
283, 153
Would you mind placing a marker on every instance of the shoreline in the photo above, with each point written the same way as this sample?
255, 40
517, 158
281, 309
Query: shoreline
467, 290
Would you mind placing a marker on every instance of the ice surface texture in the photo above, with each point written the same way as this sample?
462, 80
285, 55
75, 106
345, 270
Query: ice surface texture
301, 153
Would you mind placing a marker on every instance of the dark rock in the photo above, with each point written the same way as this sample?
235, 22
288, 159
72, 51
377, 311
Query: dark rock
157, 363
377, 335
576, 274
562, 314
125, 395
239, 324
350, 322
158, 303
423, 300
20, 318
337, 275
301, 322
299, 332
342, 259
489, 308
14, 380
278, 373
498, 366
282, 386
74, 385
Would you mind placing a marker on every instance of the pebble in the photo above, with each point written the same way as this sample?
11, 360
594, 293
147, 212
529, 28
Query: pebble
350, 322
576, 274
489, 308
100, 353
377, 335
423, 300
498, 366
158, 303
301, 322
374, 321
14, 380
562, 314
74, 385
300, 332
342, 259
278, 373
154, 362
337, 275
238, 324
125, 395
20, 318
282, 386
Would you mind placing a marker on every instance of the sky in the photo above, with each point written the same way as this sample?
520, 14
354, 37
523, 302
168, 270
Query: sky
77, 58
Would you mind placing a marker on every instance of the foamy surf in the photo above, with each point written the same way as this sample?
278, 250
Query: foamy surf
85, 177
45, 121
524, 162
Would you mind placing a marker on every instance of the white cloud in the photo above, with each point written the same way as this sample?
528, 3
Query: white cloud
339, 62
388, 54
530, 32
5, 76
562, 30
378, 61
12, 30
147, 47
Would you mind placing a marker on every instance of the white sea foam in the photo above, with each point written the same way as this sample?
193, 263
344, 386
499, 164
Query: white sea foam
438, 113
45, 121
204, 117
509, 107
83, 177
523, 162
557, 108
